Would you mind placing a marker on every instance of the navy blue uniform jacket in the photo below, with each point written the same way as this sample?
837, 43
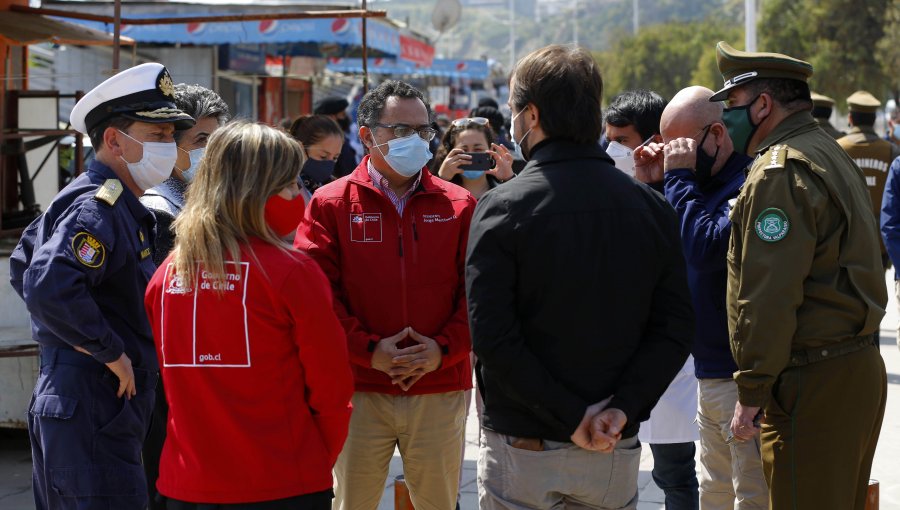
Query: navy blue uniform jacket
705, 229
82, 268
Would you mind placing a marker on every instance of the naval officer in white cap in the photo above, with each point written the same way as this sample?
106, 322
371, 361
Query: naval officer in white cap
82, 268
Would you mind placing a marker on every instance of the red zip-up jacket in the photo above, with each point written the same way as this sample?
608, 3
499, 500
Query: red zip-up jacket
257, 379
389, 272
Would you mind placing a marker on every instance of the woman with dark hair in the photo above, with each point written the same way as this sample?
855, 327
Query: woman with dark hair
473, 134
322, 139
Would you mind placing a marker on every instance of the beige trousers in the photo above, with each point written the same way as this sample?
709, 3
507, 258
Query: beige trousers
427, 429
563, 476
731, 476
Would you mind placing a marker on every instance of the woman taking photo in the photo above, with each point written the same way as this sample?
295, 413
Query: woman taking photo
253, 359
322, 140
472, 135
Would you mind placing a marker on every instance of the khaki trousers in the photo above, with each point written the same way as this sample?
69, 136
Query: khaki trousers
731, 476
563, 476
820, 432
427, 429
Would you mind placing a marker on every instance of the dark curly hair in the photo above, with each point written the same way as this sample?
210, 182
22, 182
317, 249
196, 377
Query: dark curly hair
372, 104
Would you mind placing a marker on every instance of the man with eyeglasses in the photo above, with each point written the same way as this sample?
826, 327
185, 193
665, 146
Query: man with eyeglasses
703, 175
392, 239
806, 291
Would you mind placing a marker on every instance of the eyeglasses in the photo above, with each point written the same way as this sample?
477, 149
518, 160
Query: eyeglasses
465, 121
402, 131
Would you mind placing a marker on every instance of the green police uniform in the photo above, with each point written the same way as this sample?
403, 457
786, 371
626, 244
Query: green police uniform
805, 294
872, 154
822, 107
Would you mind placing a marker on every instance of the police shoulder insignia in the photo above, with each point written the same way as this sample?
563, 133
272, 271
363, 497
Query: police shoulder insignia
88, 249
110, 191
777, 154
772, 225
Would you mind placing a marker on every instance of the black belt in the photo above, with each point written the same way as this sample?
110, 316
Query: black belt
817, 354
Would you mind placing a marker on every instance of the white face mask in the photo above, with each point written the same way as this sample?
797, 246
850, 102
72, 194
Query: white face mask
622, 156
517, 144
195, 155
155, 165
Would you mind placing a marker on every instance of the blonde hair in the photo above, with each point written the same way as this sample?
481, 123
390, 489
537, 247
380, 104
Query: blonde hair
244, 164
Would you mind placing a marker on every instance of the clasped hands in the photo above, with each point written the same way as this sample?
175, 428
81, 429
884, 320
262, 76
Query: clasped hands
406, 366
601, 427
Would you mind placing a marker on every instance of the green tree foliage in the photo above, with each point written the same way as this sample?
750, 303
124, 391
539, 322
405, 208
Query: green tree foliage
666, 58
839, 38
888, 49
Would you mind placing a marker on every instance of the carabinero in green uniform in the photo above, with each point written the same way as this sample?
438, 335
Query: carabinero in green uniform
806, 291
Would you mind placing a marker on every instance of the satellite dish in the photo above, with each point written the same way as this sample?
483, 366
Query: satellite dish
446, 15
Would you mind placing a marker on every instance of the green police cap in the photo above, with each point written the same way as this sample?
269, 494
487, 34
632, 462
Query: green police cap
821, 101
741, 67
863, 102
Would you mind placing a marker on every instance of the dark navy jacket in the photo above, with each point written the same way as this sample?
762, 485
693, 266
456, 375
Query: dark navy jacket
705, 229
82, 268
890, 215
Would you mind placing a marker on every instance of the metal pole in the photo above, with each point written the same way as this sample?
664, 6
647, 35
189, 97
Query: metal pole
117, 30
750, 25
512, 35
365, 51
636, 22
575, 23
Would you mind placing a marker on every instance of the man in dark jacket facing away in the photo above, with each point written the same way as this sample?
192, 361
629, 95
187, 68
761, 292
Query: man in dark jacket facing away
578, 302
703, 175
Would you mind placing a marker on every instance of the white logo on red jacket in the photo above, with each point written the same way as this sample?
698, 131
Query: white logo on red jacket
365, 227
437, 218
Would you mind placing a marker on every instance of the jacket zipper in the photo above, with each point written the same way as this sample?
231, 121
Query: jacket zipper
403, 297
415, 240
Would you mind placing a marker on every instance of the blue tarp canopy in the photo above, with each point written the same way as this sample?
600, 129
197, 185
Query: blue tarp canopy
453, 68
331, 35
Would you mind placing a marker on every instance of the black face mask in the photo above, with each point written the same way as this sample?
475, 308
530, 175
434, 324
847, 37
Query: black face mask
344, 123
705, 162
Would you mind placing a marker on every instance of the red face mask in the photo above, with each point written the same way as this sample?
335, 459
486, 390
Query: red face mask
284, 215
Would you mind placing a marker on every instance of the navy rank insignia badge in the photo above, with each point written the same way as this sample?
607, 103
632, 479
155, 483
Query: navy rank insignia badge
88, 250
110, 191
165, 84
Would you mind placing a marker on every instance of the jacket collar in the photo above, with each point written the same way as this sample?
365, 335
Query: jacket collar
794, 125
555, 150
361, 176
866, 130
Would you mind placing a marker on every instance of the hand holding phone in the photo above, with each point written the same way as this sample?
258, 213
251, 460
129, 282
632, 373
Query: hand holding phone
480, 161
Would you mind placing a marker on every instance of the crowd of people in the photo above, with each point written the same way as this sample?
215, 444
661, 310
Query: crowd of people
238, 316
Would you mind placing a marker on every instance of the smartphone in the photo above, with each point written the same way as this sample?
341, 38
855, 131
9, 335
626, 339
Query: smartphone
481, 161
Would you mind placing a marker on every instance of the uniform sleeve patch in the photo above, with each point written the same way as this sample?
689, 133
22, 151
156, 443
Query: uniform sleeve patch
88, 250
772, 225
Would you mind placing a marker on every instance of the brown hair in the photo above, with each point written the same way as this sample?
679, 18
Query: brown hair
244, 165
563, 82
310, 129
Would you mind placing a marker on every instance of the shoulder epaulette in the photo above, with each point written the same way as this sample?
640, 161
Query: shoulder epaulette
776, 155
109, 192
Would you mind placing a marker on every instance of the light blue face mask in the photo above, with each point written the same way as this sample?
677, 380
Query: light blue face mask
196, 155
897, 132
407, 155
472, 174
512, 134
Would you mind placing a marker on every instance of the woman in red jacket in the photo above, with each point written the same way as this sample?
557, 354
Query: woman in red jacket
253, 357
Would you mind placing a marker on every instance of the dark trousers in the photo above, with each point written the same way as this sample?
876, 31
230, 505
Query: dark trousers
820, 432
674, 473
314, 501
153, 445
85, 441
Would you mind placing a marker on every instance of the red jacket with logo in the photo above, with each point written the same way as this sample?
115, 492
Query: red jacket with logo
389, 272
257, 379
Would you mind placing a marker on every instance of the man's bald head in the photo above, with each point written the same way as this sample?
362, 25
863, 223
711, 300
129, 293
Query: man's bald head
689, 112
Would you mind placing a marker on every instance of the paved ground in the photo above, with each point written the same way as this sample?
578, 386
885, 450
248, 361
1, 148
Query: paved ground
15, 459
